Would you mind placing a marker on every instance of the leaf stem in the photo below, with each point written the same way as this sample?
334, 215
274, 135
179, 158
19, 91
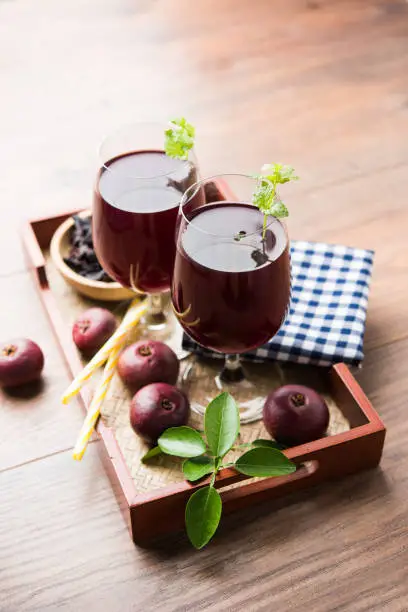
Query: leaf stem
265, 219
264, 226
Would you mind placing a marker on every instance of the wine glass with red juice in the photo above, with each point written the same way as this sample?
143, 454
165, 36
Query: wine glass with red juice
136, 199
231, 285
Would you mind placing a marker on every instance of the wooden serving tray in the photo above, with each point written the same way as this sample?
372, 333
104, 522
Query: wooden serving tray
153, 497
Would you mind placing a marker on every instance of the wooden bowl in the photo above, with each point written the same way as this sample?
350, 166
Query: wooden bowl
97, 290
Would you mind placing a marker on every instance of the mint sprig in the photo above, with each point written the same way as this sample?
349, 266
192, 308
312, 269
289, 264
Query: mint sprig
265, 195
278, 174
179, 138
222, 424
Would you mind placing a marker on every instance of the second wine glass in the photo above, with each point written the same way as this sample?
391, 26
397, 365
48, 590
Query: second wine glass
231, 286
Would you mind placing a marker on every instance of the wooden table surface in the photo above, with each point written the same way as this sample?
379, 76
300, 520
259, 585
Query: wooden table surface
322, 85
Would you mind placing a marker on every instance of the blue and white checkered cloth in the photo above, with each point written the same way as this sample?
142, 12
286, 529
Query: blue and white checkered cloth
326, 321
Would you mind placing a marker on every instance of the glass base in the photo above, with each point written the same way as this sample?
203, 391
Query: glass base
203, 379
155, 322
162, 326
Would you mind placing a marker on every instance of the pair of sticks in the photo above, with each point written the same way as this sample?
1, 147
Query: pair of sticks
108, 356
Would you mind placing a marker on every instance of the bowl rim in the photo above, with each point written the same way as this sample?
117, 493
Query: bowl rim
55, 251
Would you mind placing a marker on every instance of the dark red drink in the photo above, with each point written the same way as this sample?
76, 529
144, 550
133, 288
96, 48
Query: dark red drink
231, 288
136, 201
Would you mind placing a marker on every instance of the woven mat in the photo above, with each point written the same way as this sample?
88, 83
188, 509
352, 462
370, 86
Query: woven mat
163, 470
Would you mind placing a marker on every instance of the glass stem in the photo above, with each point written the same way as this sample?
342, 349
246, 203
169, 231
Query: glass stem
155, 317
232, 370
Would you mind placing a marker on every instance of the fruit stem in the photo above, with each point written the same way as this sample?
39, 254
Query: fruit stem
167, 404
84, 326
9, 350
144, 350
298, 399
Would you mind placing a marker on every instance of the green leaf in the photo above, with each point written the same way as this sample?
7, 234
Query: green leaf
279, 174
179, 138
263, 197
278, 210
203, 513
153, 452
181, 442
221, 424
264, 461
197, 467
268, 444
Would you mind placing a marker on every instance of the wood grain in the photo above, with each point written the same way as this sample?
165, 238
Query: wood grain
33, 422
340, 547
309, 78
322, 85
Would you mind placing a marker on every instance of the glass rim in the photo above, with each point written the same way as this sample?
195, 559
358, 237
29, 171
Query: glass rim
186, 197
135, 124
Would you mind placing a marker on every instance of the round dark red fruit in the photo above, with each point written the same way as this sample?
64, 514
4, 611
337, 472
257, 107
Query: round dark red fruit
295, 414
157, 407
21, 362
146, 362
92, 329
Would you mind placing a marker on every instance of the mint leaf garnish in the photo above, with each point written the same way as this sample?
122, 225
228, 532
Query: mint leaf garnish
265, 196
278, 174
179, 138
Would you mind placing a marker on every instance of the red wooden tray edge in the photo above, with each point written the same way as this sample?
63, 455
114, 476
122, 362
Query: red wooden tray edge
36, 232
111, 449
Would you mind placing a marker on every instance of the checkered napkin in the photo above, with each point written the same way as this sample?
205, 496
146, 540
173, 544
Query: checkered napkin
326, 321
